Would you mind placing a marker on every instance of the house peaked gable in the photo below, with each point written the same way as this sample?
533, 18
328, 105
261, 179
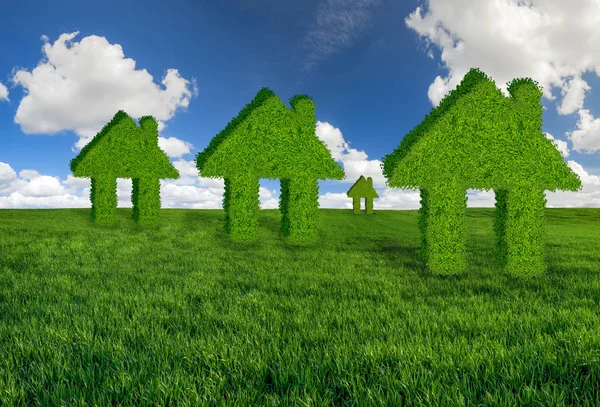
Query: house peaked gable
541, 162
268, 140
259, 100
123, 149
157, 164
467, 85
313, 158
362, 188
117, 118
495, 132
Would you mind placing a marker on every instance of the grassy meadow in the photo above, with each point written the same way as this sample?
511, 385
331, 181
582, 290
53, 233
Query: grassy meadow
178, 314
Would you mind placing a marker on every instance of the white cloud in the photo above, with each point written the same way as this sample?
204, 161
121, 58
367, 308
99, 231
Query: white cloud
560, 145
552, 41
338, 24
3, 92
573, 95
174, 147
188, 194
588, 181
43, 185
188, 174
83, 140
586, 138
264, 193
355, 162
333, 139
186, 168
271, 203
31, 190
549, 41
72, 184
393, 198
7, 174
334, 201
81, 85
438, 89
28, 174
18, 200
209, 197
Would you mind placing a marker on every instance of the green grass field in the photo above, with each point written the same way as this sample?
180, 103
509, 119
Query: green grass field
179, 314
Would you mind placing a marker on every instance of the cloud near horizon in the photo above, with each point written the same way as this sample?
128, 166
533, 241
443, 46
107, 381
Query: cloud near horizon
29, 189
552, 44
75, 73
80, 85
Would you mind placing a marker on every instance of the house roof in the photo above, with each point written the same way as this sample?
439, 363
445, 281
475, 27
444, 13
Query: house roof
268, 140
390, 161
362, 188
475, 124
124, 150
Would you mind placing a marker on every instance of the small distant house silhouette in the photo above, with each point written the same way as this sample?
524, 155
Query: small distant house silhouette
123, 149
362, 188
268, 140
477, 138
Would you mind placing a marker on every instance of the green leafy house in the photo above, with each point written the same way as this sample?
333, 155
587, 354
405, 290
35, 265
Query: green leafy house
479, 139
122, 149
362, 188
268, 140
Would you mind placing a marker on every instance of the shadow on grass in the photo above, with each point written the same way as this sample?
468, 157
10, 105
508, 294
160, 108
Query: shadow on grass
394, 254
211, 224
208, 222
82, 215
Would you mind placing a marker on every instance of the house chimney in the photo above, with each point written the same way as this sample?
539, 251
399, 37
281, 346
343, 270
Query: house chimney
149, 124
302, 104
527, 97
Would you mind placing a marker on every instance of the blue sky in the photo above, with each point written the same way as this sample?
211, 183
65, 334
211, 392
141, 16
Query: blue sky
374, 69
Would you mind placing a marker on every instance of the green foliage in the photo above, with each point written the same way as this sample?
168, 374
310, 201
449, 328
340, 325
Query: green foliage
149, 124
103, 194
301, 211
284, 199
261, 97
268, 140
241, 213
500, 216
390, 161
423, 217
479, 139
369, 206
525, 231
362, 188
120, 115
124, 150
445, 233
111, 316
145, 197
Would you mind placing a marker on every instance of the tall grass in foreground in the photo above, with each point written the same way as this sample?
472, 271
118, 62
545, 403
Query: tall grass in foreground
179, 314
